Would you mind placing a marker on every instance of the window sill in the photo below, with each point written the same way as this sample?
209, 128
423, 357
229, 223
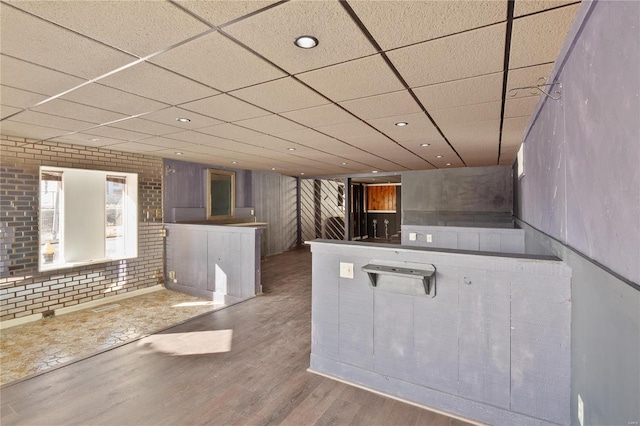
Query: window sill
46, 267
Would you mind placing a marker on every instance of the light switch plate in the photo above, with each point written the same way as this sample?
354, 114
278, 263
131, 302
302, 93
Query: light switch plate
429, 238
346, 270
413, 236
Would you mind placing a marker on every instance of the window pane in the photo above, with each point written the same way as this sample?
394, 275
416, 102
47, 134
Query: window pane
115, 244
50, 210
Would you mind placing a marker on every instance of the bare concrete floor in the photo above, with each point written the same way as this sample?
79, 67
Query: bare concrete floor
32, 348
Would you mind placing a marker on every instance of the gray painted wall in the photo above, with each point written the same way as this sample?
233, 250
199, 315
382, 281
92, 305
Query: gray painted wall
270, 195
581, 187
219, 263
274, 199
493, 344
464, 238
185, 188
457, 197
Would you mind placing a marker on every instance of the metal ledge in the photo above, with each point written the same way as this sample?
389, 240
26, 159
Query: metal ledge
427, 276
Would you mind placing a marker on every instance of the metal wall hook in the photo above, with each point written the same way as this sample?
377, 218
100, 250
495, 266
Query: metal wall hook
555, 94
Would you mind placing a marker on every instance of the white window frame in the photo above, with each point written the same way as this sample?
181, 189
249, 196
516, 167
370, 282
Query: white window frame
82, 238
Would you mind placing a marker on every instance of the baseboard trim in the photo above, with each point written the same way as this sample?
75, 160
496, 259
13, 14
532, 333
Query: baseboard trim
92, 304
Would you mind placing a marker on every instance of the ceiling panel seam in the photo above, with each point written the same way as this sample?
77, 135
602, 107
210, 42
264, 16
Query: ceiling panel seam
289, 75
507, 51
395, 71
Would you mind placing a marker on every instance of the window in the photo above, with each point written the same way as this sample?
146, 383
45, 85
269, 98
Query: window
86, 216
520, 157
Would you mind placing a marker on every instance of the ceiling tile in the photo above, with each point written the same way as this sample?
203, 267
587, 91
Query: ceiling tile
387, 105
197, 138
323, 115
376, 144
230, 131
146, 126
10, 96
468, 91
455, 57
520, 107
6, 111
221, 12
115, 133
537, 39
270, 124
508, 155
525, 7
46, 120
238, 68
271, 142
473, 133
526, 77
87, 139
167, 143
355, 79
77, 111
225, 107
281, 95
169, 116
37, 41
312, 138
134, 147
468, 114
272, 32
348, 131
29, 130
110, 99
34, 78
419, 128
394, 24
156, 83
131, 26
513, 131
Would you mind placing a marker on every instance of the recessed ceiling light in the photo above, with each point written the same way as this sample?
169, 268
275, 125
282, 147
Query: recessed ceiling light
183, 120
425, 144
402, 123
94, 139
374, 171
234, 162
273, 168
291, 149
438, 156
302, 173
306, 42
448, 164
178, 153
344, 164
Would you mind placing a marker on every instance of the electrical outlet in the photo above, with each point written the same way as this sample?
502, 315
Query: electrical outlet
253, 212
346, 270
580, 410
413, 236
172, 275
429, 238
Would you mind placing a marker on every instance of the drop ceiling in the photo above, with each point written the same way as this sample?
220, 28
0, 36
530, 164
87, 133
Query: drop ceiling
117, 74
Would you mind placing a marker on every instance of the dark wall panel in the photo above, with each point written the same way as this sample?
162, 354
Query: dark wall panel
582, 188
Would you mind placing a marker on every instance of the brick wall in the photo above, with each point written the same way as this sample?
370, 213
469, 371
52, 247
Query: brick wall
24, 290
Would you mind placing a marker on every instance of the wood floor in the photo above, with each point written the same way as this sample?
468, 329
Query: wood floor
188, 375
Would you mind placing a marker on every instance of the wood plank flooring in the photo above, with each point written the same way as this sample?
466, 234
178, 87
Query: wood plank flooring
261, 380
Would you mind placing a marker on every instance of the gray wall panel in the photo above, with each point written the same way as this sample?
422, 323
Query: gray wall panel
587, 146
462, 195
500, 240
461, 341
